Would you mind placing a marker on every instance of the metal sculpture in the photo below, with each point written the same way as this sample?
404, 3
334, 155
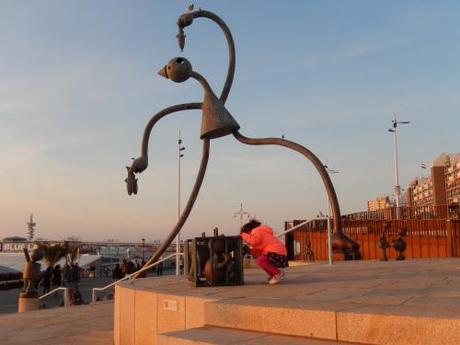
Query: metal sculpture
399, 244
383, 243
28, 298
31, 273
217, 122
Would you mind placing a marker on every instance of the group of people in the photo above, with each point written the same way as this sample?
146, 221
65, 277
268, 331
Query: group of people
67, 276
127, 267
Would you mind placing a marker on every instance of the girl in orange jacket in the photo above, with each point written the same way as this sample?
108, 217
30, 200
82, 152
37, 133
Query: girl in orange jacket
269, 251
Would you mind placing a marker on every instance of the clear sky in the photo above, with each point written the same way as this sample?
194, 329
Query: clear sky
78, 83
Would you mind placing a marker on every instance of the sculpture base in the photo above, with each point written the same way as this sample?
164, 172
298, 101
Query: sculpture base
28, 304
313, 301
345, 247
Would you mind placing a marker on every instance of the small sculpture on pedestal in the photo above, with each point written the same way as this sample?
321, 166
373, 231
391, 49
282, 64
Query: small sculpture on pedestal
383, 244
31, 273
400, 245
28, 299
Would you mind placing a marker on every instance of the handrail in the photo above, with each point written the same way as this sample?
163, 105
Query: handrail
93, 298
291, 229
66, 295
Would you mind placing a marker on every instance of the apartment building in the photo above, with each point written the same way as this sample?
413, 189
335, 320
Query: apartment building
453, 180
379, 203
442, 187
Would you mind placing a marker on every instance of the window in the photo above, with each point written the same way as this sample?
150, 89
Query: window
296, 247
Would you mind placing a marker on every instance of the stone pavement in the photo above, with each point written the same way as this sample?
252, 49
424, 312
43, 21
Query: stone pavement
9, 298
394, 302
79, 325
430, 285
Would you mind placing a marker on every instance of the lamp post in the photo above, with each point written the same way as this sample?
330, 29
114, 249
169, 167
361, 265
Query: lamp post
241, 213
329, 228
143, 249
397, 187
180, 148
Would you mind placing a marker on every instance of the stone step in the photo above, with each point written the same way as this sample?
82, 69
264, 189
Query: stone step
347, 322
225, 336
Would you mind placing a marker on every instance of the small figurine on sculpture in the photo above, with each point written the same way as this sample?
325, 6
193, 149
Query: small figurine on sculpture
400, 244
218, 265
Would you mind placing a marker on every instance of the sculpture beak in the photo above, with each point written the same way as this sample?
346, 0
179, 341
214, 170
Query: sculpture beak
163, 73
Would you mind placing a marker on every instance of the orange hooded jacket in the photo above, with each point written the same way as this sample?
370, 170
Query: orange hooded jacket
261, 240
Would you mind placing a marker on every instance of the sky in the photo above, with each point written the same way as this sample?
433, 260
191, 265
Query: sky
78, 84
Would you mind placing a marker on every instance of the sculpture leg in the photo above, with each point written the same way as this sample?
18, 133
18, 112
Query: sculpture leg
341, 241
188, 208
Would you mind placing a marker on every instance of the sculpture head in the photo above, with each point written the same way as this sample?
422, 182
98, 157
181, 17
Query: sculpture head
37, 255
178, 69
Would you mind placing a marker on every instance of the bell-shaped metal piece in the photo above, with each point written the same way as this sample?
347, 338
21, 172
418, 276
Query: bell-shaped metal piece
217, 121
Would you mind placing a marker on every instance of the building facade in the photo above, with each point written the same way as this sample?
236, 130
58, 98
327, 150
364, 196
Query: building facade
379, 203
16, 244
453, 181
441, 188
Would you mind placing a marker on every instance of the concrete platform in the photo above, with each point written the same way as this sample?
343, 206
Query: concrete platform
78, 325
398, 302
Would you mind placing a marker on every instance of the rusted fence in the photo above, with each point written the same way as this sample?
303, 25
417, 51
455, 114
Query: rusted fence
425, 238
408, 212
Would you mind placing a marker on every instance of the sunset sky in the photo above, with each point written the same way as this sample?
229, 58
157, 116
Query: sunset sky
78, 84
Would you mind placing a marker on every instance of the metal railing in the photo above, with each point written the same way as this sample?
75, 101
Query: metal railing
66, 295
129, 277
292, 228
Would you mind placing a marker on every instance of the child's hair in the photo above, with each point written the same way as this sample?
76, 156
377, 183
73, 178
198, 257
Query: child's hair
252, 224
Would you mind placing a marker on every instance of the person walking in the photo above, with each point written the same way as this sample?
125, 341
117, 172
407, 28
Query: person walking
46, 280
117, 273
57, 276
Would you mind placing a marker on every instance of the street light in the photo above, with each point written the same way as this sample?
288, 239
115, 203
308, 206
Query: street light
143, 249
180, 149
397, 187
329, 229
241, 213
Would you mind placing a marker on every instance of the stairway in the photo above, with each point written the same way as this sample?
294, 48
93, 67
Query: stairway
209, 335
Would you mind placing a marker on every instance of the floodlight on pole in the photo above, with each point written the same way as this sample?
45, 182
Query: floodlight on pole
329, 228
397, 187
180, 154
241, 213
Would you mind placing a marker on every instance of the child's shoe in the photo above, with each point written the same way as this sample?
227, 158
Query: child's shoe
276, 278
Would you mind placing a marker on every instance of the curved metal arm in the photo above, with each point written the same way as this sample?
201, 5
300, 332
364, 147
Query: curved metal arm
161, 114
185, 213
141, 163
313, 159
187, 18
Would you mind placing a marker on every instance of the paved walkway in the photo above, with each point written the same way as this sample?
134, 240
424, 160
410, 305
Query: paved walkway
413, 287
429, 286
79, 325
9, 298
